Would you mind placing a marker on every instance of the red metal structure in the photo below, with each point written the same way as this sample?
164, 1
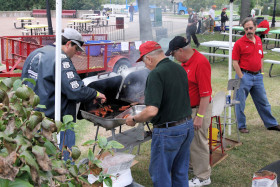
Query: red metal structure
109, 56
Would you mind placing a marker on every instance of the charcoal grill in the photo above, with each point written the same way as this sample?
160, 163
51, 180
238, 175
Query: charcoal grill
120, 90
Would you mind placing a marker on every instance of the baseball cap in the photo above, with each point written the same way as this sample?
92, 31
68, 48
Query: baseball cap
214, 6
176, 43
74, 36
224, 8
147, 47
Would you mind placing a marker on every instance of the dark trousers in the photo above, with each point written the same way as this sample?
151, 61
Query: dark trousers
190, 32
199, 26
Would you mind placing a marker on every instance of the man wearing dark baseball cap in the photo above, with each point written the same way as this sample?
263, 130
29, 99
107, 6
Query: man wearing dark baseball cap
168, 109
40, 66
199, 83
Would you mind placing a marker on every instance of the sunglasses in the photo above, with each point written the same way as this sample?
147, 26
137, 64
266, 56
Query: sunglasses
248, 28
173, 52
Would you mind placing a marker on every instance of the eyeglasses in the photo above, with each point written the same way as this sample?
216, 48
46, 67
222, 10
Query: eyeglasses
248, 28
173, 52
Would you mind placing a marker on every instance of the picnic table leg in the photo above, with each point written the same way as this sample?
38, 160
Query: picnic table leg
270, 70
210, 53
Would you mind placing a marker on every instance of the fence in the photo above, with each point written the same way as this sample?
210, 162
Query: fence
111, 31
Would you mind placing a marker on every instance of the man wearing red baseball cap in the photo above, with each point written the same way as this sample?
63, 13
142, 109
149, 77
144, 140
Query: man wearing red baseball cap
168, 108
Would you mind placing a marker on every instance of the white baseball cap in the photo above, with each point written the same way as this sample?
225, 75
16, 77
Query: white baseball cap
74, 36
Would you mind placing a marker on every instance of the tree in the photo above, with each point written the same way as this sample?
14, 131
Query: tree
144, 20
245, 9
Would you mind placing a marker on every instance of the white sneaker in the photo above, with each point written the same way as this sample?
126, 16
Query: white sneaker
199, 182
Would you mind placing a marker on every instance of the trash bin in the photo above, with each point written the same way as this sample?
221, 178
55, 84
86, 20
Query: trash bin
161, 33
119, 22
94, 50
259, 20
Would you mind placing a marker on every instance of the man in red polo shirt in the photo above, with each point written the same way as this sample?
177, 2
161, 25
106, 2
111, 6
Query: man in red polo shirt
247, 56
199, 79
264, 24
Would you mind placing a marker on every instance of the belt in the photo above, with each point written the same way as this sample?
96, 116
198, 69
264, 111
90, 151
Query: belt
172, 124
251, 72
194, 106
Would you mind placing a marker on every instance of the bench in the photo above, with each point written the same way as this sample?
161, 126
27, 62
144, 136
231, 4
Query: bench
271, 39
227, 34
272, 62
43, 12
39, 12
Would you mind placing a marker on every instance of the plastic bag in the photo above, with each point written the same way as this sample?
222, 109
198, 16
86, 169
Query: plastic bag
264, 178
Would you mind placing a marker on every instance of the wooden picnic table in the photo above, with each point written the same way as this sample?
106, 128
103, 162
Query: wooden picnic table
37, 28
98, 19
23, 21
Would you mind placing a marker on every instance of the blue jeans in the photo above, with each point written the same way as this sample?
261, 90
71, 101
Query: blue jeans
69, 141
170, 153
253, 84
131, 16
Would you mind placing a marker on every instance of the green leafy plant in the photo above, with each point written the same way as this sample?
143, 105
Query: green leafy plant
29, 155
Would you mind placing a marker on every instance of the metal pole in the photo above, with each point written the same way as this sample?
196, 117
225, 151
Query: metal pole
273, 17
230, 59
57, 116
49, 18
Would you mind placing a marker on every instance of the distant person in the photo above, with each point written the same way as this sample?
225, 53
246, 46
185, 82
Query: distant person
212, 18
264, 24
200, 18
224, 18
191, 28
247, 60
131, 11
253, 12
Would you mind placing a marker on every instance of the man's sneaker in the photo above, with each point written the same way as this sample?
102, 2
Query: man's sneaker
199, 182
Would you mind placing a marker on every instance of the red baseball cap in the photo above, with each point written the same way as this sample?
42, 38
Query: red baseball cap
224, 8
146, 48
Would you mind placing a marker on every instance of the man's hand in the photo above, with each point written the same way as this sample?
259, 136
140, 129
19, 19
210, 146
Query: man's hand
100, 97
129, 121
197, 123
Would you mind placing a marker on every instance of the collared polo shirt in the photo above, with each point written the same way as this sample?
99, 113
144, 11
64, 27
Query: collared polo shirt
248, 54
167, 89
199, 77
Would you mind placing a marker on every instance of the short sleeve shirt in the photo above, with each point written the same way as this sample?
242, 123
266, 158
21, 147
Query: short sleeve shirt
167, 89
199, 77
248, 54
212, 13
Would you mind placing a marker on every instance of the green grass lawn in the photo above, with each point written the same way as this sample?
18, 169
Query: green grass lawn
260, 147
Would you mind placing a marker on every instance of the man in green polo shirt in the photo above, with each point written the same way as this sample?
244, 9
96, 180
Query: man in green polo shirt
168, 108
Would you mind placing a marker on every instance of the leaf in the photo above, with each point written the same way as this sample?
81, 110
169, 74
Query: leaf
7, 138
42, 158
67, 119
4, 97
3, 86
83, 179
102, 141
90, 155
71, 185
58, 125
8, 171
29, 159
21, 141
50, 148
19, 183
89, 142
115, 145
41, 106
49, 125
8, 82
17, 84
29, 80
108, 181
73, 170
25, 168
59, 167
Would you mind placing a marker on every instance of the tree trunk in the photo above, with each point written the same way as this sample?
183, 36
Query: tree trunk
144, 20
245, 9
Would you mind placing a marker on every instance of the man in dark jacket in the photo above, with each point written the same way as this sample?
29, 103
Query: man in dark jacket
224, 18
191, 28
40, 66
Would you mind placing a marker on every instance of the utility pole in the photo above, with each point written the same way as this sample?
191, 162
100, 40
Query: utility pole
49, 18
273, 17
